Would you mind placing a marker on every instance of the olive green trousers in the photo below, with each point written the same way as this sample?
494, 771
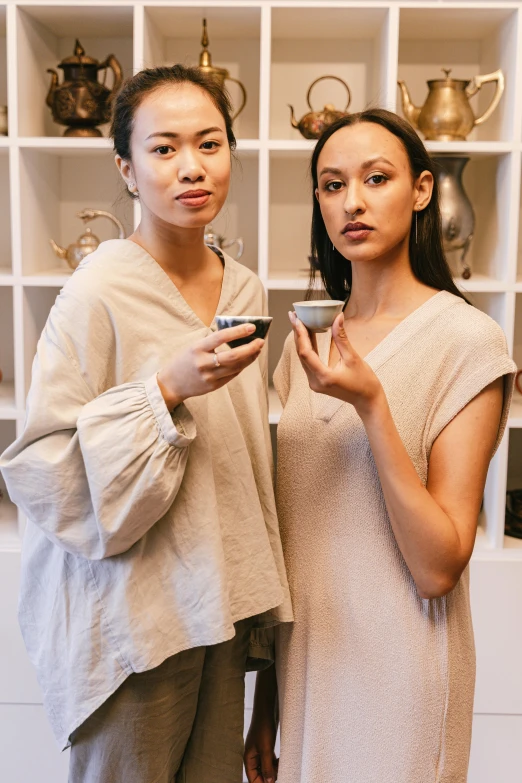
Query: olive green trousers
179, 723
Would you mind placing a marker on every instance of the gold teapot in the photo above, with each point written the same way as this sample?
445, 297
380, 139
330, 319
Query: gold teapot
220, 75
311, 125
87, 242
447, 114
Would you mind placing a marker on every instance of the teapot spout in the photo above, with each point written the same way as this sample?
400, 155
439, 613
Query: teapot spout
411, 112
61, 252
293, 120
52, 89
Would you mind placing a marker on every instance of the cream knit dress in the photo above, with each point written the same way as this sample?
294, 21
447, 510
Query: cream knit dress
376, 684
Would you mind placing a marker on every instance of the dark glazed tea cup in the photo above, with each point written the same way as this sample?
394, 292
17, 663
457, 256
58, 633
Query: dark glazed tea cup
261, 322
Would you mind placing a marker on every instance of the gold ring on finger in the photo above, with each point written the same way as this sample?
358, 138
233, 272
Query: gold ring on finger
217, 363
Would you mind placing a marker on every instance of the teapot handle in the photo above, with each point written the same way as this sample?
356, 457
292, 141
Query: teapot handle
112, 63
240, 246
337, 79
476, 84
89, 214
243, 94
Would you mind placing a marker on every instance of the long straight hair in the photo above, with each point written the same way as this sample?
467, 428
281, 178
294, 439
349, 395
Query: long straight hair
426, 252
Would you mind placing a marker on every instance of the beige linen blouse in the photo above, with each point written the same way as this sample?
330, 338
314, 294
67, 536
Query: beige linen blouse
148, 533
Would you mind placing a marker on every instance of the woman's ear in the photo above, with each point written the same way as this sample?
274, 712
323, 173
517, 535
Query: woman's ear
316, 191
125, 168
424, 190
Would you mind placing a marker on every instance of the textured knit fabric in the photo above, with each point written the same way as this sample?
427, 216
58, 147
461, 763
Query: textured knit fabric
376, 684
182, 721
148, 533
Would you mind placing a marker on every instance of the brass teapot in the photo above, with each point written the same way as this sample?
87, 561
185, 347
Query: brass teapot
447, 114
311, 125
81, 102
220, 75
87, 242
215, 240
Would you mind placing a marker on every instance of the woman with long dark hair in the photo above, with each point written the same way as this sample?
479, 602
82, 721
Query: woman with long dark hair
388, 427
152, 547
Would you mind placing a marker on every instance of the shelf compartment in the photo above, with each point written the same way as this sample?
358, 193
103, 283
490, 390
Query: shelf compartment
471, 44
7, 363
290, 215
37, 305
9, 536
514, 476
351, 43
173, 35
5, 215
46, 34
489, 251
53, 188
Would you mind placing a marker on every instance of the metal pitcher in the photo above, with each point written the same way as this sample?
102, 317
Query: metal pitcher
447, 114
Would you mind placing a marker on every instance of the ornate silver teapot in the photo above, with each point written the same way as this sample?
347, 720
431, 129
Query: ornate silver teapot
447, 114
87, 242
311, 125
216, 240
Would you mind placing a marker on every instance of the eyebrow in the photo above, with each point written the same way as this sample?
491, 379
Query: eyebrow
171, 135
366, 165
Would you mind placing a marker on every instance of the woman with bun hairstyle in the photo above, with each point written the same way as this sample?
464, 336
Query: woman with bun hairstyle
144, 469
389, 422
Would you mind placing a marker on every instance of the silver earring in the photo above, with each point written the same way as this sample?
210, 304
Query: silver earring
416, 233
333, 247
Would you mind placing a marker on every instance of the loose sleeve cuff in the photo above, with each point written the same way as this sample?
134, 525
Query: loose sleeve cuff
178, 428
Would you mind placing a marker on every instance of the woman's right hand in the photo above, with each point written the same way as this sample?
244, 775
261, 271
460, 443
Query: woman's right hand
260, 759
199, 369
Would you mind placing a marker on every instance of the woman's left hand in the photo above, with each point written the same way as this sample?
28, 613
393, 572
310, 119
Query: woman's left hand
351, 380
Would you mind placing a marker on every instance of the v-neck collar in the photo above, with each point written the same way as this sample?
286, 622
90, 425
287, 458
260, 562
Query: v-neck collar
167, 284
323, 406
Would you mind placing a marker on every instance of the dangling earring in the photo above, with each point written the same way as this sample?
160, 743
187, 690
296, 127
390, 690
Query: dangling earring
416, 236
333, 247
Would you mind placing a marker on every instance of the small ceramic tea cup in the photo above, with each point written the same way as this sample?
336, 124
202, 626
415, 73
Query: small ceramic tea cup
318, 314
261, 322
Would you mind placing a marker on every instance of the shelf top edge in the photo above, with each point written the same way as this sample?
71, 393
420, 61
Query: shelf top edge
363, 4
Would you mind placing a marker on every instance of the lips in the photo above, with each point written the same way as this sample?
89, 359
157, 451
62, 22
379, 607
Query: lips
356, 231
193, 198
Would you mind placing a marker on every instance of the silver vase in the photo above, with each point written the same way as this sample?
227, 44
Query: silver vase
458, 217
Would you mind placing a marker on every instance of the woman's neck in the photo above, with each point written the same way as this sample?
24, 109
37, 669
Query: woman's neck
385, 289
181, 252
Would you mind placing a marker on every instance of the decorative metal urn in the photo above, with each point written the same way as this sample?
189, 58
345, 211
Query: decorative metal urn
311, 125
447, 114
211, 238
81, 102
458, 217
87, 242
220, 75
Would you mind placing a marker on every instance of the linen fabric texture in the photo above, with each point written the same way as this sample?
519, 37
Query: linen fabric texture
375, 683
182, 721
148, 533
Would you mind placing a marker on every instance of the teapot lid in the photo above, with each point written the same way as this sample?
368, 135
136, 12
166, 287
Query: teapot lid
79, 57
449, 81
88, 238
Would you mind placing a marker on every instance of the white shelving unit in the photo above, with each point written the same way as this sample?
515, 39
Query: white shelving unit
277, 48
